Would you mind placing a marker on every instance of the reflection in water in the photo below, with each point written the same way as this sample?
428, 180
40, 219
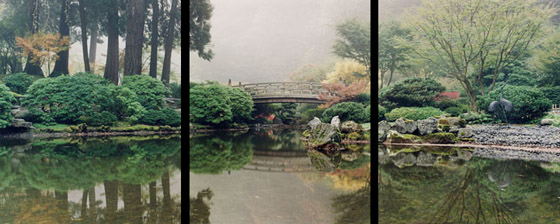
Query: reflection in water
270, 177
464, 189
200, 207
52, 181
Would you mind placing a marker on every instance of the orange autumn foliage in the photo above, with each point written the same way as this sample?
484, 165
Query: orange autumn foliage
341, 93
43, 47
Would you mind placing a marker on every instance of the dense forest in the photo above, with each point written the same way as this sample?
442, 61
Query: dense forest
42, 83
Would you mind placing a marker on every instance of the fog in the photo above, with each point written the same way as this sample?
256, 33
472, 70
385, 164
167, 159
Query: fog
263, 41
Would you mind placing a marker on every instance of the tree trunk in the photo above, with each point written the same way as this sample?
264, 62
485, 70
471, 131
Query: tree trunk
93, 48
31, 68
134, 38
112, 199
61, 65
83, 24
112, 64
169, 44
154, 44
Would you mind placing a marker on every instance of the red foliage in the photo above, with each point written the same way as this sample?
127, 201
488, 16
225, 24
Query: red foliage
447, 96
341, 93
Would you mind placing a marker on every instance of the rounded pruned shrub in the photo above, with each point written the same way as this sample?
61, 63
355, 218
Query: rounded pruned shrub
241, 105
166, 116
347, 111
18, 82
528, 103
6, 100
476, 118
552, 93
150, 91
414, 92
209, 104
413, 113
368, 112
455, 111
68, 99
381, 112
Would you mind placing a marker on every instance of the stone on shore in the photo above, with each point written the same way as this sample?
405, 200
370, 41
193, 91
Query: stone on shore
405, 126
427, 126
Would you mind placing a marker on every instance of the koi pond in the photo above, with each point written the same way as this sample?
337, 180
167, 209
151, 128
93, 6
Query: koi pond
91, 180
269, 176
458, 185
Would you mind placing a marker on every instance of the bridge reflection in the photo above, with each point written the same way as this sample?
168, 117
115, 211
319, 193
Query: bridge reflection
280, 161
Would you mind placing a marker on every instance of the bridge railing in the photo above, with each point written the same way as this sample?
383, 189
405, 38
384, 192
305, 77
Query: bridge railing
303, 89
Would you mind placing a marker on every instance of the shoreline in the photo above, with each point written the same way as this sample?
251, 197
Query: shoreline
486, 146
28, 135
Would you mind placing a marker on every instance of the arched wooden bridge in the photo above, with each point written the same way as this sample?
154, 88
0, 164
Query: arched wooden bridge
285, 92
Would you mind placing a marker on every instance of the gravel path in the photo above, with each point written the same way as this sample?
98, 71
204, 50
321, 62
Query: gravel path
548, 137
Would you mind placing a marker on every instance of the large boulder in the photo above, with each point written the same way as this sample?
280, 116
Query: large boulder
465, 133
321, 135
440, 138
405, 126
547, 122
427, 126
453, 121
313, 122
382, 128
396, 137
350, 126
336, 122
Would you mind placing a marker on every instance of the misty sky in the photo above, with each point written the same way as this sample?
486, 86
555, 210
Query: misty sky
264, 41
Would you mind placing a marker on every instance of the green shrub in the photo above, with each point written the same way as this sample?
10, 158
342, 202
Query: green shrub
528, 103
381, 112
368, 113
37, 116
444, 104
166, 116
241, 105
125, 104
175, 90
308, 115
476, 118
18, 82
552, 93
65, 99
103, 118
413, 113
150, 91
455, 111
6, 100
347, 111
209, 104
414, 92
363, 98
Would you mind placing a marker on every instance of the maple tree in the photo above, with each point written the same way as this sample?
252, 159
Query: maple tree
340, 92
43, 47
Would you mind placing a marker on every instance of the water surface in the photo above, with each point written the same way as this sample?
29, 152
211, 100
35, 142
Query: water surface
445, 185
109, 180
269, 177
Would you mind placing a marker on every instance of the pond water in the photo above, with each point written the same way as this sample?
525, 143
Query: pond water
269, 177
446, 185
109, 180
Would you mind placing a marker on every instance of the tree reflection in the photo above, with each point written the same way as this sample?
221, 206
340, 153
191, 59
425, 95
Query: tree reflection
35, 189
212, 155
478, 191
200, 207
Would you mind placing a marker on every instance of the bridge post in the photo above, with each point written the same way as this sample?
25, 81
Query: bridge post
239, 84
229, 82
